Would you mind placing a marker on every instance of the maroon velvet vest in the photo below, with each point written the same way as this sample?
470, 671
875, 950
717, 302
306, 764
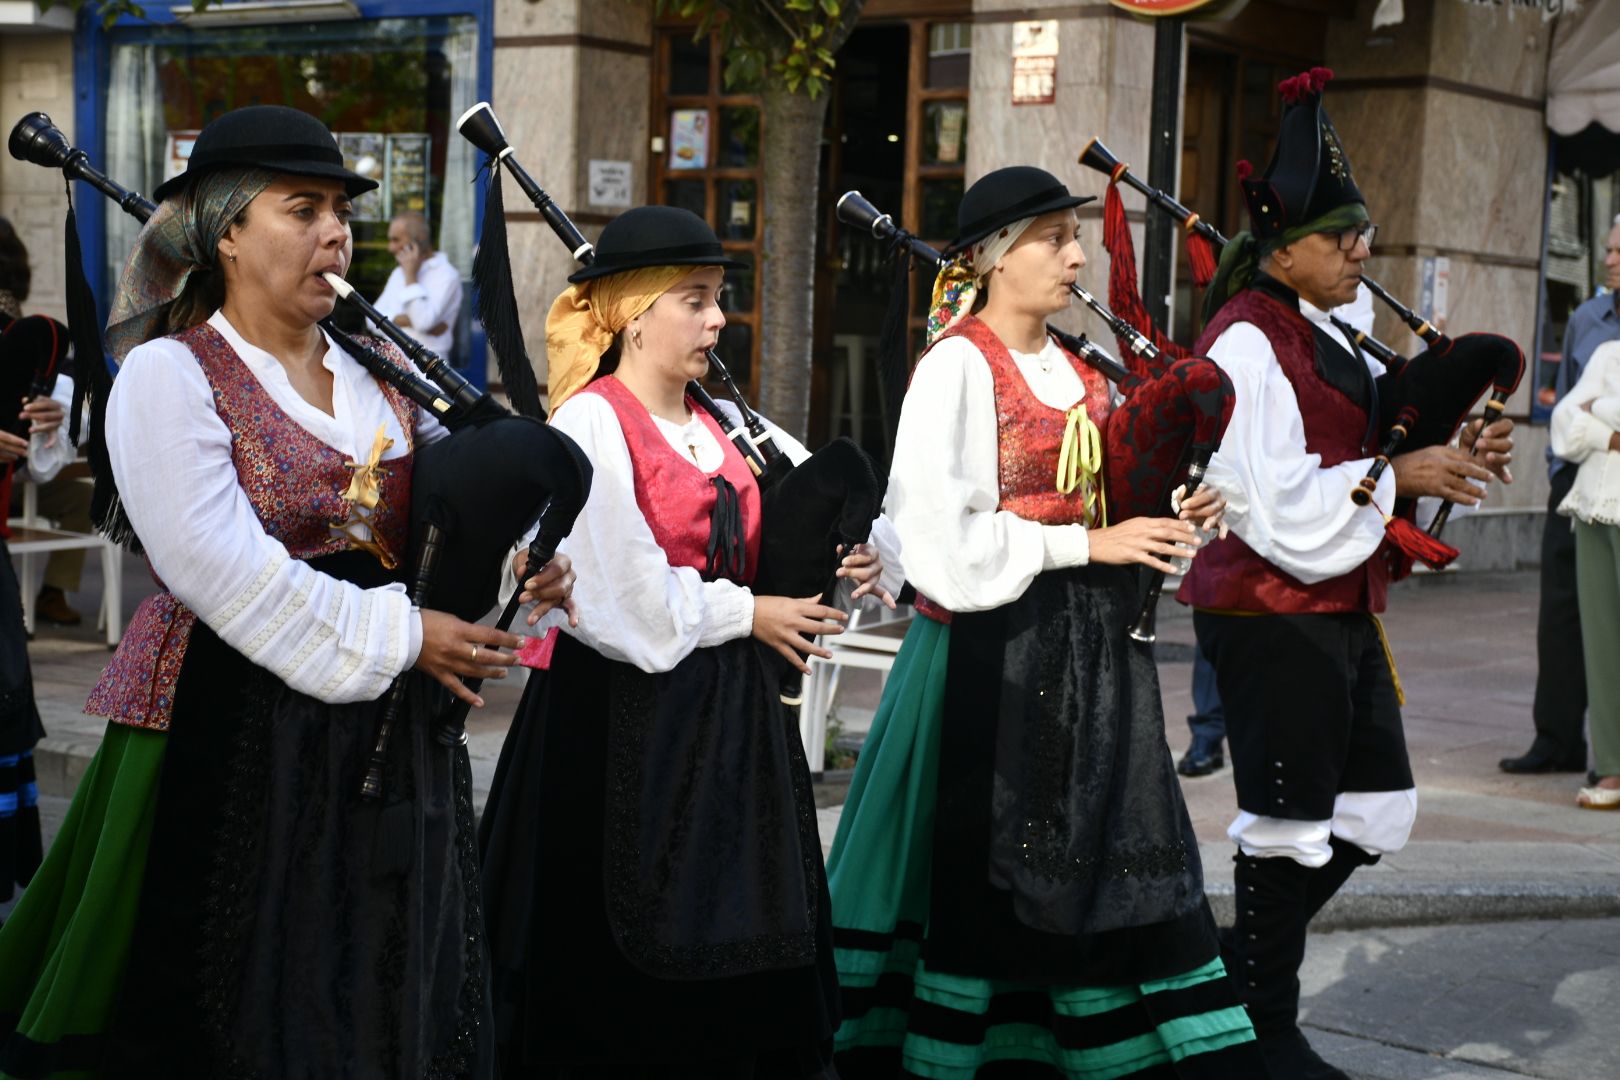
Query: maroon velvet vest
1228, 575
295, 484
675, 496
1029, 437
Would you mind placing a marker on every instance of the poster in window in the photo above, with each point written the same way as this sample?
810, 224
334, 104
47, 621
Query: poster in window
408, 173
363, 151
689, 139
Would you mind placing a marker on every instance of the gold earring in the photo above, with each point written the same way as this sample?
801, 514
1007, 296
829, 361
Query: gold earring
635, 336
231, 257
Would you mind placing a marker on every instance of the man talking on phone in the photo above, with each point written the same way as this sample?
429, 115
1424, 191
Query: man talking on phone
423, 294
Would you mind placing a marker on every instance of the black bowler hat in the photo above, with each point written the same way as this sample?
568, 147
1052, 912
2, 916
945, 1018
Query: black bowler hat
1309, 173
655, 236
1007, 195
270, 137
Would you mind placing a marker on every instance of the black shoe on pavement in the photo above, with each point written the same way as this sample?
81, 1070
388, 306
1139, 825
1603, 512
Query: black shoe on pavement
1201, 759
1537, 762
1290, 1057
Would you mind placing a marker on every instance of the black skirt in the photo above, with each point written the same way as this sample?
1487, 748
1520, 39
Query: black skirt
1063, 852
654, 888
281, 933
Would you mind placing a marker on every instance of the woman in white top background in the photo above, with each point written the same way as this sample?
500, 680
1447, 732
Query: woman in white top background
1586, 433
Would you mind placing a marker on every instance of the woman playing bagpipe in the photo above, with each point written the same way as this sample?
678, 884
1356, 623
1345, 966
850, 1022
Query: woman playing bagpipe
1015, 880
32, 441
652, 871
219, 901
1286, 606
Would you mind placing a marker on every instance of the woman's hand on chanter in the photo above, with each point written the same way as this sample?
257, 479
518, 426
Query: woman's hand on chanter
552, 587
1205, 509
787, 625
864, 566
1149, 541
453, 650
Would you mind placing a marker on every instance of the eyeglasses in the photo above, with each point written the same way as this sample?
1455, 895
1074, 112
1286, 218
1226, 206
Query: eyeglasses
1347, 237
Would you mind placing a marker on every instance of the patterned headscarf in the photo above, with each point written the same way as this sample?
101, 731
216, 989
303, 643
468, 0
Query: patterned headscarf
181, 239
585, 318
960, 279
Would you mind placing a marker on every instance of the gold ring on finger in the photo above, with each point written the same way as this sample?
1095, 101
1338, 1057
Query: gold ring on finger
475, 654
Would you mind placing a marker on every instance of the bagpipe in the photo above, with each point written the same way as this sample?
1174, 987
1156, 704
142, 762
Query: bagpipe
1170, 423
1422, 402
808, 509
473, 493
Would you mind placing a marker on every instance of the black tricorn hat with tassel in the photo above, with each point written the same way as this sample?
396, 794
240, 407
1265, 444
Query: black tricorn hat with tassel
1309, 173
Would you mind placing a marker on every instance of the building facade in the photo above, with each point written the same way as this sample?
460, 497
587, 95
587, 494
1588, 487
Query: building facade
609, 105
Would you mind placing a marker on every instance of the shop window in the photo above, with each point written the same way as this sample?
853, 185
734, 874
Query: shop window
710, 165
390, 89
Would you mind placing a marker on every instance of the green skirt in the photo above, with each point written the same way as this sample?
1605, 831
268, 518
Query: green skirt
899, 1016
63, 951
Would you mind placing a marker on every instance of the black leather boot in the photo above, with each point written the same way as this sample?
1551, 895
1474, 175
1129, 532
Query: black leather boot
1268, 945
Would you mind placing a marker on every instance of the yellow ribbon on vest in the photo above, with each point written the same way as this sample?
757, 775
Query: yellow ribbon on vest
1080, 462
365, 490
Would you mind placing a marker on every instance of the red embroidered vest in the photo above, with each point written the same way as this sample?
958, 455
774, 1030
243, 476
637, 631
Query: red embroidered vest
1029, 437
1228, 575
675, 496
295, 483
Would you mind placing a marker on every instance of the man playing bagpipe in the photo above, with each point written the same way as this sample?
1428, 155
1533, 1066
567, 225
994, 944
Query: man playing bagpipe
1287, 604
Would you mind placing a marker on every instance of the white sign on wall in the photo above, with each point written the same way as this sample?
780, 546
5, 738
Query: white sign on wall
609, 183
1034, 57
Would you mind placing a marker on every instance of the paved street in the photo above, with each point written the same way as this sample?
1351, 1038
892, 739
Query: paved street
1490, 948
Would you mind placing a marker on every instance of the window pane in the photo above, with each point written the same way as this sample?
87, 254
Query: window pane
390, 90
686, 194
944, 132
738, 145
939, 199
949, 49
738, 209
739, 294
688, 65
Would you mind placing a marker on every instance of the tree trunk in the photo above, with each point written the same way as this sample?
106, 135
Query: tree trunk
792, 158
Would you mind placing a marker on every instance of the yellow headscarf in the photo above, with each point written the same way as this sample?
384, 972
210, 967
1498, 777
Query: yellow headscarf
584, 319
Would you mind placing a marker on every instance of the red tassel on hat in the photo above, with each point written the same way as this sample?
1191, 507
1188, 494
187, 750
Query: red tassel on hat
1414, 542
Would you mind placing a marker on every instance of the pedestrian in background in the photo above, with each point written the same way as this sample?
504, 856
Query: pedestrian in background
423, 294
1560, 708
1586, 432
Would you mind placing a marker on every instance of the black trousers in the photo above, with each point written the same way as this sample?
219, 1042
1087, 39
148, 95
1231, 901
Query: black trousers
1560, 708
1310, 709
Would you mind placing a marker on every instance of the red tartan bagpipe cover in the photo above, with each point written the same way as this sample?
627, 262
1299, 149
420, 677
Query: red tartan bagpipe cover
1168, 417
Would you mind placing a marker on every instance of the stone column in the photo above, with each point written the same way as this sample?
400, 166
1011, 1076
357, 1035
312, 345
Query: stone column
1104, 88
36, 74
571, 84
1443, 118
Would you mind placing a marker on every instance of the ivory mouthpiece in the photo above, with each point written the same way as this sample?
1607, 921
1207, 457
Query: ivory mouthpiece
339, 286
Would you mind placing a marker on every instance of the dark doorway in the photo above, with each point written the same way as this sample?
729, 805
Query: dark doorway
867, 152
